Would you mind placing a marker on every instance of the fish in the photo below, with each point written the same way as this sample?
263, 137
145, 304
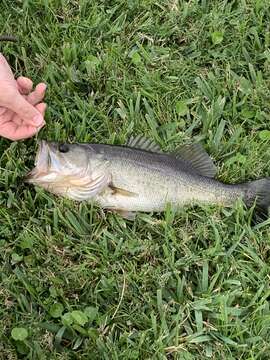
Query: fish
139, 177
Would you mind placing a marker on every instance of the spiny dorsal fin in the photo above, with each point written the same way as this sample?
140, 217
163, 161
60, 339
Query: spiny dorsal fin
198, 158
141, 142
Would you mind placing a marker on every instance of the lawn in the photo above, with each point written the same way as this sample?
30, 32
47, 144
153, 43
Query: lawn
80, 283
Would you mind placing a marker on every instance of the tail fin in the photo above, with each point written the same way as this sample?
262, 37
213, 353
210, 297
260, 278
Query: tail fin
258, 191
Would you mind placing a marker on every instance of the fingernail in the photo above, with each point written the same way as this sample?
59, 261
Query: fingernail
43, 85
38, 120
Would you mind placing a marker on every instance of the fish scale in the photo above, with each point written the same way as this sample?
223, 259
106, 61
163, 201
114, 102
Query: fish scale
127, 179
156, 186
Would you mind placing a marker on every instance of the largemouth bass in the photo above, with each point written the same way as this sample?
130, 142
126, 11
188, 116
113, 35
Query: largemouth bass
138, 177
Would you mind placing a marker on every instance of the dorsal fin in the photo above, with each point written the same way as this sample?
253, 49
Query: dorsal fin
141, 142
198, 158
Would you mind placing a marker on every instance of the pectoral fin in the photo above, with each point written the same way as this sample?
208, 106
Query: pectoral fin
123, 192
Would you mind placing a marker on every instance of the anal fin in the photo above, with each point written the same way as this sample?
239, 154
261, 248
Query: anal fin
129, 215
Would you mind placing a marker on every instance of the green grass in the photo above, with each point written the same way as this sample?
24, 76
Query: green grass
86, 284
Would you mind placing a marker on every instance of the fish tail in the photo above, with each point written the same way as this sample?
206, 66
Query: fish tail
258, 191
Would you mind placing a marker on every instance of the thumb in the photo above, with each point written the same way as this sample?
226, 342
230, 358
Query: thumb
27, 112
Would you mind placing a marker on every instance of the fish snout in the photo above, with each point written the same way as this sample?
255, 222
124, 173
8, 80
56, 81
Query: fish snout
41, 162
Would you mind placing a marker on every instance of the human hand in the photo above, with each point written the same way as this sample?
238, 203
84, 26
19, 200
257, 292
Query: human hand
21, 109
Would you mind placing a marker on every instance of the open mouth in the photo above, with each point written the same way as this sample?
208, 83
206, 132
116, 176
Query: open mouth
42, 162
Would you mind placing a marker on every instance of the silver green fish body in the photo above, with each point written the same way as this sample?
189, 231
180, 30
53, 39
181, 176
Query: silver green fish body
157, 180
127, 179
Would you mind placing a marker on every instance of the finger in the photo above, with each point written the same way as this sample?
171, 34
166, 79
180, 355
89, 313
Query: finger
41, 107
37, 95
13, 132
29, 114
5, 70
3, 111
17, 120
24, 85
25, 132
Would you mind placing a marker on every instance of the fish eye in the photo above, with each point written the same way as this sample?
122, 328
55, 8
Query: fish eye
63, 148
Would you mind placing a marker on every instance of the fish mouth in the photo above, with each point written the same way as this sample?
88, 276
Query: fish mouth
42, 162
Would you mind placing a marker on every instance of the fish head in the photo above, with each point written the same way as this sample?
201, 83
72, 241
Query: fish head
56, 160
63, 167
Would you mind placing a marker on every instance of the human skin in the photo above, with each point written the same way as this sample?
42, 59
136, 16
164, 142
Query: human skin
22, 109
